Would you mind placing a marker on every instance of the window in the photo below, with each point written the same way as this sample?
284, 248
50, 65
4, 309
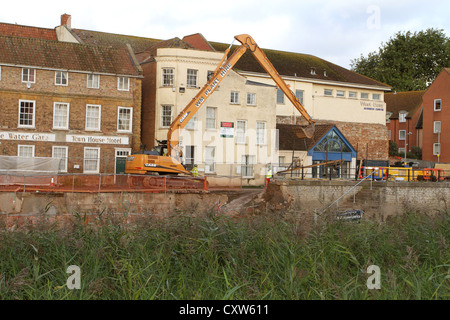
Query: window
388, 116
247, 170
166, 116
211, 117
28, 75
191, 81
124, 119
168, 76
402, 134
234, 97
241, 131
123, 84
436, 149
376, 96
280, 96
209, 159
260, 132
402, 116
364, 95
26, 113
352, 94
436, 126
209, 75
389, 134
190, 157
328, 92
60, 115
192, 124
61, 153
340, 93
437, 104
25, 151
299, 95
93, 116
251, 99
93, 81
91, 160
61, 78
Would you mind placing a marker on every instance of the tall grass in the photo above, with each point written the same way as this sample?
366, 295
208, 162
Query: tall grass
215, 257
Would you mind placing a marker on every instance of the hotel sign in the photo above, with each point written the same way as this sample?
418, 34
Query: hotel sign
26, 136
97, 139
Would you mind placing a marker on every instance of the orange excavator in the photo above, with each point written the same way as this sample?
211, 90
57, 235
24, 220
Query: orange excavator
165, 158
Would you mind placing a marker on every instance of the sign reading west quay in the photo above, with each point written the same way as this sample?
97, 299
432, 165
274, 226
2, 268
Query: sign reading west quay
97, 139
26, 136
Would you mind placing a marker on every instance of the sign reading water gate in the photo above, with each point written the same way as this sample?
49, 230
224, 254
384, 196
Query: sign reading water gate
26, 136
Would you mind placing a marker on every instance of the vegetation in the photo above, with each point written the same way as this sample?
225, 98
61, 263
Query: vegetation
211, 257
408, 61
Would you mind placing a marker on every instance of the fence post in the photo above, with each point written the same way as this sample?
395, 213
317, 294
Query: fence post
205, 184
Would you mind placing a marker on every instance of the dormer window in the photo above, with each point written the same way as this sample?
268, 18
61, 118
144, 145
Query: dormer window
313, 71
402, 116
388, 117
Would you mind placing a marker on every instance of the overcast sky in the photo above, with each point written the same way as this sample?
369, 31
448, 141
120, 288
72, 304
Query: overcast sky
337, 31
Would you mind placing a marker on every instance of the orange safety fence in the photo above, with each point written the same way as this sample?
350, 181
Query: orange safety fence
116, 183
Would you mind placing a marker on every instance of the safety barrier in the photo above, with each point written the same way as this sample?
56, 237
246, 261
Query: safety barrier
116, 183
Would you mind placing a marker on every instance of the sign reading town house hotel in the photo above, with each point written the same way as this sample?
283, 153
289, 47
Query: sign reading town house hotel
26, 136
97, 139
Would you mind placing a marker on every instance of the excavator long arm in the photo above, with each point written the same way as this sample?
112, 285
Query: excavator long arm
247, 43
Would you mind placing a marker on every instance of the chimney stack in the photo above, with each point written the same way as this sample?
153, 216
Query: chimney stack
66, 20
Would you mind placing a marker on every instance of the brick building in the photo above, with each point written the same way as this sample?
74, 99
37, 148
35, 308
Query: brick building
77, 102
404, 119
436, 119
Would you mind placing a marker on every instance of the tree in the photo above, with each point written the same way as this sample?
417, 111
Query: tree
408, 61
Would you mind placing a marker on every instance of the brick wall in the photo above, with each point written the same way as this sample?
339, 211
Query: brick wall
45, 93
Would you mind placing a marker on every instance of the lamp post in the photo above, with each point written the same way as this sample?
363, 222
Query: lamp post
406, 145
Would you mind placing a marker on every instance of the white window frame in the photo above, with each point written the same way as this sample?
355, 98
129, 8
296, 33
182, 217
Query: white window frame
328, 92
211, 120
130, 120
300, 94
66, 152
402, 116
66, 125
247, 161
280, 96
435, 125
21, 146
120, 153
164, 116
401, 134
241, 138
234, 97
33, 115
191, 78
364, 95
340, 93
192, 123
123, 83
94, 82
440, 104
353, 94
210, 161
376, 96
168, 78
28, 71
97, 169
251, 99
60, 76
436, 147
261, 133
98, 127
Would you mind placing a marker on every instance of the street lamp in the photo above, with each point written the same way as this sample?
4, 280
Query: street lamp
406, 145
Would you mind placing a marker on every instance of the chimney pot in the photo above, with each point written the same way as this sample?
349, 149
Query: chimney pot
66, 20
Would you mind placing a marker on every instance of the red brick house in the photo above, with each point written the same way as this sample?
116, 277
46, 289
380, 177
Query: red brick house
436, 119
403, 119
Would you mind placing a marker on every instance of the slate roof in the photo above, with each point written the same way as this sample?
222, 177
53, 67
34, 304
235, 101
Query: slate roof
289, 140
66, 56
300, 65
409, 101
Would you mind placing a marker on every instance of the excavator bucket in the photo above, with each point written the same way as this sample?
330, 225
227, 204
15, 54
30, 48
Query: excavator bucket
305, 131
